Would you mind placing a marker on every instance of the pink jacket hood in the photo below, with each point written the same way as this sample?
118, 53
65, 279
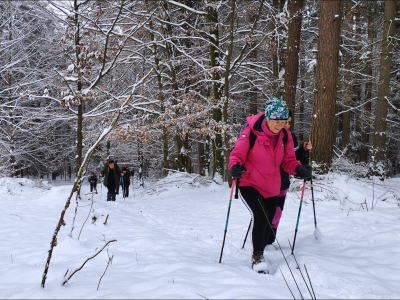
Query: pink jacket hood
263, 162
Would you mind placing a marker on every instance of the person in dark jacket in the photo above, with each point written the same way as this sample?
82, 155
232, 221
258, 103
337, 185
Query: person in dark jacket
259, 171
302, 153
111, 173
125, 182
93, 182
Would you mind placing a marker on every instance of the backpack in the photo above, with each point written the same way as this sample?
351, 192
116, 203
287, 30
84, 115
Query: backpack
253, 136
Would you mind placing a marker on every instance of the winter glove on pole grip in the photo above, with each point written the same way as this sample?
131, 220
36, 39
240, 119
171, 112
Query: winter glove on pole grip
237, 170
237, 189
304, 171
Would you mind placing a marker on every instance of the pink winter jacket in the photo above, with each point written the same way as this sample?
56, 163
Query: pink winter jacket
263, 162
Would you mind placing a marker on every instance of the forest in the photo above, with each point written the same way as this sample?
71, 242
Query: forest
166, 85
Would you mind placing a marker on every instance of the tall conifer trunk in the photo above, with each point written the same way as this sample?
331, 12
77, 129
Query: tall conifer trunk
324, 120
292, 54
382, 105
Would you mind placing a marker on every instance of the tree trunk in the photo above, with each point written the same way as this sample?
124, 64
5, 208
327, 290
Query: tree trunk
201, 158
226, 83
161, 99
165, 151
357, 79
277, 49
9, 80
252, 14
301, 136
170, 53
79, 133
187, 156
348, 83
207, 155
218, 162
366, 127
379, 144
292, 55
325, 96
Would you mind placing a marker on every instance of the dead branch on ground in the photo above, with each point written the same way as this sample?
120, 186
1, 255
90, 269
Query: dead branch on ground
80, 268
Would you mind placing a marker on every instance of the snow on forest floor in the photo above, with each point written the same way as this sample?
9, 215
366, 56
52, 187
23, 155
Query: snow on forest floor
169, 237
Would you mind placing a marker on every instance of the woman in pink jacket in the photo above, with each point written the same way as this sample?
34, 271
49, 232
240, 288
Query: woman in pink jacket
259, 171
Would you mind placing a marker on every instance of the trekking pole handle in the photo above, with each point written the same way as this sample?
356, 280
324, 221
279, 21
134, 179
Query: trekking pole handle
237, 189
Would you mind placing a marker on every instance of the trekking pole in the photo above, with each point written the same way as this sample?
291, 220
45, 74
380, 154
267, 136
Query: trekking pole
123, 192
298, 216
101, 188
247, 233
123, 188
229, 209
316, 230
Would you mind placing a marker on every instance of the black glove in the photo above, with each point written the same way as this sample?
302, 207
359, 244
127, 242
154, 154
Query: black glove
304, 171
237, 170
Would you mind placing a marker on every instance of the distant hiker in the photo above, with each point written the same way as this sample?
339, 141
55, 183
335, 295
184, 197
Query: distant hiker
111, 173
125, 182
259, 171
302, 156
93, 182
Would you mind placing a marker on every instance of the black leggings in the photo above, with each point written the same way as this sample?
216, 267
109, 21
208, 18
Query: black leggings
93, 186
263, 210
125, 191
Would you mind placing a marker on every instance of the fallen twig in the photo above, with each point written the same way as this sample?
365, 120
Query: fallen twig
105, 222
90, 211
16, 215
108, 263
72, 274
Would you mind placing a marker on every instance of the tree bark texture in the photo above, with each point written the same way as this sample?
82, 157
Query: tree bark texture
348, 78
277, 49
161, 97
218, 162
227, 85
366, 125
292, 55
201, 158
79, 133
323, 131
379, 145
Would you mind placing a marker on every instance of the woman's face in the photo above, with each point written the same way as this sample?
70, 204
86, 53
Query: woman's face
276, 125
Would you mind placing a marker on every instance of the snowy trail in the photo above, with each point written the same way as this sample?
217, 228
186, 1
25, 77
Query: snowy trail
168, 245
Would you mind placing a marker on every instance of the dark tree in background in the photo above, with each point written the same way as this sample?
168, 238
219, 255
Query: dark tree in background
292, 54
66, 66
323, 132
379, 145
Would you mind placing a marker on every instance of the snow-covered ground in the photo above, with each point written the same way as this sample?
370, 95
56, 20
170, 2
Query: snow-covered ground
169, 237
